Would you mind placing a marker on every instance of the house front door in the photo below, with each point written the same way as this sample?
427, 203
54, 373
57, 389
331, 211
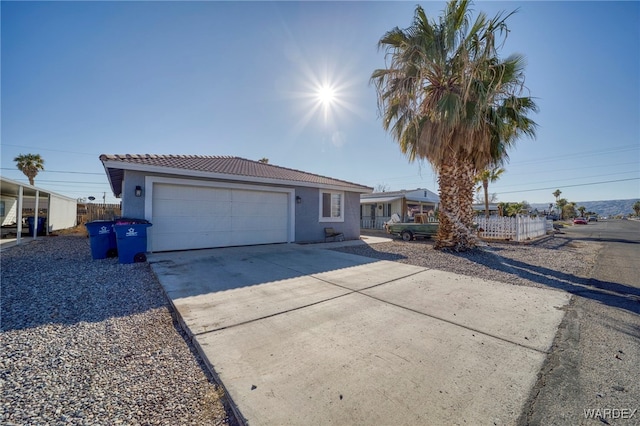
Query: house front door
373, 214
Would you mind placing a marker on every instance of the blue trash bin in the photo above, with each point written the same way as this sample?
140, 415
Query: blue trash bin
131, 237
40, 226
102, 239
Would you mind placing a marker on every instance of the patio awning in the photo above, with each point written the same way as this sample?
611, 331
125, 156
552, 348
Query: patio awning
20, 191
391, 199
379, 200
424, 201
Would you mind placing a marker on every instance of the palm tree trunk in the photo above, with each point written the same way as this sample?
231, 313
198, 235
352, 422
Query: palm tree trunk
445, 239
466, 183
456, 206
485, 185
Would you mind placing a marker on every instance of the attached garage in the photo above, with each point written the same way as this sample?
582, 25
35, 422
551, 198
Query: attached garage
191, 216
197, 202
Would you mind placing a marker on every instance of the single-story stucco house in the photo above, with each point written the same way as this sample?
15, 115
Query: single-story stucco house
377, 208
195, 201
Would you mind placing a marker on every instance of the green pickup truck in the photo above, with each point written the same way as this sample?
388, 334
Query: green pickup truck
408, 231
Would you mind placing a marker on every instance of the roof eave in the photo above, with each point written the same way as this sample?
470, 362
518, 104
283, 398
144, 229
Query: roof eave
114, 164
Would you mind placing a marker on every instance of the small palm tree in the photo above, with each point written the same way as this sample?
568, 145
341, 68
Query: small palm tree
30, 165
486, 176
582, 209
636, 208
561, 203
569, 210
556, 194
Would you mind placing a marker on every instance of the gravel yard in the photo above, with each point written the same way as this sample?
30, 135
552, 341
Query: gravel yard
555, 262
93, 342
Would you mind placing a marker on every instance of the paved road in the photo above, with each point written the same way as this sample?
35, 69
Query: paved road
595, 364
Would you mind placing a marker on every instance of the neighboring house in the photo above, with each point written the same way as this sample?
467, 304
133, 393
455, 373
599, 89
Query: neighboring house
198, 202
377, 208
493, 209
19, 203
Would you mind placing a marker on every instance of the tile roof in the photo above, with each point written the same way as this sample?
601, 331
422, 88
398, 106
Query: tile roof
219, 165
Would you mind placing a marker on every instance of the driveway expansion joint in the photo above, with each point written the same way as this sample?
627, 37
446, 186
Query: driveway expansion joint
360, 291
432, 316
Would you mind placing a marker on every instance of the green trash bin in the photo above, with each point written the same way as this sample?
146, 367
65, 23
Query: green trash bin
131, 238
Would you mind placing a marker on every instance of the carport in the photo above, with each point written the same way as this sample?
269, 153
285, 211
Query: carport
61, 211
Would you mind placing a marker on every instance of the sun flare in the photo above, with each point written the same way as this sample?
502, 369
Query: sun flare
326, 95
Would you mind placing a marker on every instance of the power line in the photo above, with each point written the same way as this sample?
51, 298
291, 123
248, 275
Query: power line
514, 171
575, 178
579, 154
49, 149
517, 172
568, 186
57, 171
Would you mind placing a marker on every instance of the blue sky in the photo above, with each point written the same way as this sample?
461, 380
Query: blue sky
241, 78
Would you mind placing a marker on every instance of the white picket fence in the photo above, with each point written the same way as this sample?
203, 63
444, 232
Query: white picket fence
378, 223
519, 228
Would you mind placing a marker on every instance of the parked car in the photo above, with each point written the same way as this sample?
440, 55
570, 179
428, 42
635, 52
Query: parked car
593, 219
580, 221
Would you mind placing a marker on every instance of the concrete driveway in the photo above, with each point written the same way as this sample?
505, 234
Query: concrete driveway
301, 335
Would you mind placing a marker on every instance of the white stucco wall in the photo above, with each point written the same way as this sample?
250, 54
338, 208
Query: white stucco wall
62, 213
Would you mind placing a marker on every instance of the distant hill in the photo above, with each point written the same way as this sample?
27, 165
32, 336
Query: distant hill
602, 208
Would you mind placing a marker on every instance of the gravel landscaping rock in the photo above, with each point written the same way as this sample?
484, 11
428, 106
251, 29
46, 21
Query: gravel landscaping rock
93, 342
554, 262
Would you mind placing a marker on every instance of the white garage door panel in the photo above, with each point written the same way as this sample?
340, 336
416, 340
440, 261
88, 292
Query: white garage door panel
188, 217
241, 238
184, 208
190, 193
169, 225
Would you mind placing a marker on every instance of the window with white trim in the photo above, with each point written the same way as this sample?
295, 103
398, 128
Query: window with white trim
331, 206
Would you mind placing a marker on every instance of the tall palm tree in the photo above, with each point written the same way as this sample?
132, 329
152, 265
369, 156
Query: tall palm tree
486, 176
30, 165
447, 97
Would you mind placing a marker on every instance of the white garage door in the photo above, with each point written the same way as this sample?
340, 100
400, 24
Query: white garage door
190, 217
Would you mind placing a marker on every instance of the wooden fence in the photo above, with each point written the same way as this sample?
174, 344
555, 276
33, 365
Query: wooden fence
519, 228
91, 212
